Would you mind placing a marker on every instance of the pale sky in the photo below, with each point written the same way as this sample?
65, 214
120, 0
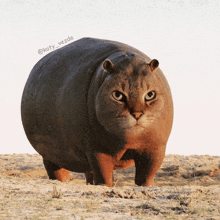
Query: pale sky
183, 35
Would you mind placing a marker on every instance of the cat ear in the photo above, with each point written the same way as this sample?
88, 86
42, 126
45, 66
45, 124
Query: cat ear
108, 66
153, 64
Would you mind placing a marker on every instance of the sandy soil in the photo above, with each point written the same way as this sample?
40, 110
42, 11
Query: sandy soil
186, 187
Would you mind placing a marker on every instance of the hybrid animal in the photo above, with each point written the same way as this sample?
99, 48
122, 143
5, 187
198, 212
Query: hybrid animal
97, 105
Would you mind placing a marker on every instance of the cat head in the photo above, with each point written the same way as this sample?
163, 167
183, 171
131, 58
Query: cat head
131, 98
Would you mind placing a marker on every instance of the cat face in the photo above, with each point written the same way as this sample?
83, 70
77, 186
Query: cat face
131, 99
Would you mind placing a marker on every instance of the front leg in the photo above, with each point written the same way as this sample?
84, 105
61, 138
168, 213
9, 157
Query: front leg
147, 164
102, 166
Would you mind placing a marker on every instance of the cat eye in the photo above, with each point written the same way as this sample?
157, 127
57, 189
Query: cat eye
119, 96
150, 96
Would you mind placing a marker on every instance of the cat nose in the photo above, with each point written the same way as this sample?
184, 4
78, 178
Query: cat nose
137, 115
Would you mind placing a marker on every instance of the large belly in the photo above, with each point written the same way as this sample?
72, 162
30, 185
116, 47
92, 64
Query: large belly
122, 164
125, 161
71, 158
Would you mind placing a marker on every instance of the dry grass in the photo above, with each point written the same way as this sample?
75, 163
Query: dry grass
186, 188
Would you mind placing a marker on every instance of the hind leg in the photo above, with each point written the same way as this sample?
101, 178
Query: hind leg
54, 172
89, 177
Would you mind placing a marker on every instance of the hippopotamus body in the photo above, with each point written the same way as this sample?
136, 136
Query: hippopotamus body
97, 105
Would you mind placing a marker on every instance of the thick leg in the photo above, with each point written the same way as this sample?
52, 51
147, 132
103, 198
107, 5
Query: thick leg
55, 172
147, 165
102, 165
62, 175
89, 177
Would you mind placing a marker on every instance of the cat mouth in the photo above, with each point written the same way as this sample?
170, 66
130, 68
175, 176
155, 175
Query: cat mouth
136, 126
139, 126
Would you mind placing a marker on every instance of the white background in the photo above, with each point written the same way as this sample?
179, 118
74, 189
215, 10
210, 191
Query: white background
184, 35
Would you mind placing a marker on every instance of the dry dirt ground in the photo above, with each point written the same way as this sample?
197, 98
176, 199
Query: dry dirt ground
186, 187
